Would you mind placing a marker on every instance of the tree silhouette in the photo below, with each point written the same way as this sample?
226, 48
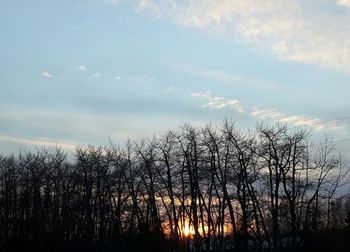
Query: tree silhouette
191, 189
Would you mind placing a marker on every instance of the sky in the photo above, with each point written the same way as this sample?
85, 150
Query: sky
89, 71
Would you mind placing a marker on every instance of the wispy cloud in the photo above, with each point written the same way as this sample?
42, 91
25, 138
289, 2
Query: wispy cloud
289, 29
96, 75
297, 120
112, 2
150, 6
46, 74
345, 3
257, 112
169, 89
39, 142
218, 102
83, 68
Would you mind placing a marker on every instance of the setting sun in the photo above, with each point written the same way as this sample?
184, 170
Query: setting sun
188, 229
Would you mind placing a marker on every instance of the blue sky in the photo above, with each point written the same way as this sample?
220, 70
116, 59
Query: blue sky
84, 71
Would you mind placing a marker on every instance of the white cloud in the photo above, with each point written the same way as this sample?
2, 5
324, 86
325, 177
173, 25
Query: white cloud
83, 68
345, 3
273, 114
266, 113
217, 102
297, 120
46, 74
118, 78
39, 142
289, 29
169, 89
96, 75
150, 6
112, 2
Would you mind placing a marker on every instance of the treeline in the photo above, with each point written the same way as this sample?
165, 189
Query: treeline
193, 189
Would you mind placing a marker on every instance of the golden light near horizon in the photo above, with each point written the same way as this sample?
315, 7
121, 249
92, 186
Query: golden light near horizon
188, 229
185, 227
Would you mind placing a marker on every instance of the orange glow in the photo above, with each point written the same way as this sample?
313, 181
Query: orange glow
188, 229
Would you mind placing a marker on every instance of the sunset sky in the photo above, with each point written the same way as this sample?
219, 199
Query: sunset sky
86, 71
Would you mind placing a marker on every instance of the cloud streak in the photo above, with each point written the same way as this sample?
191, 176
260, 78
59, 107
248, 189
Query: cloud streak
39, 142
257, 112
96, 75
82, 68
287, 29
112, 2
296, 120
345, 3
46, 74
218, 102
